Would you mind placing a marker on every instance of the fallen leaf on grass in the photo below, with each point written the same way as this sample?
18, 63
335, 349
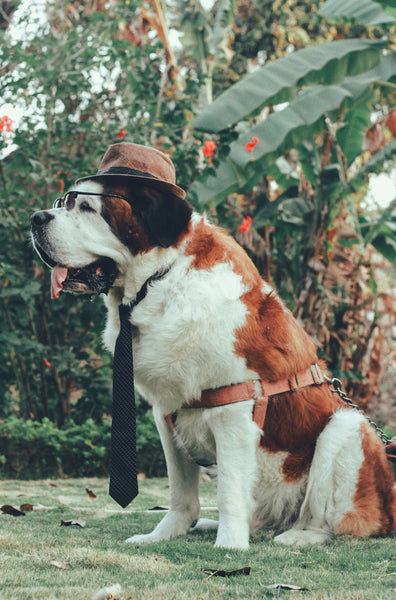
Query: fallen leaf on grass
107, 593
69, 522
60, 564
90, 494
286, 586
7, 509
26, 507
220, 573
52, 484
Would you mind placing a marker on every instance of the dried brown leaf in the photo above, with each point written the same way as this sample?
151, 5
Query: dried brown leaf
7, 509
77, 522
286, 586
90, 494
221, 573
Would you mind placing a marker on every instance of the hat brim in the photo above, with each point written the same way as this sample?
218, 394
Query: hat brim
150, 181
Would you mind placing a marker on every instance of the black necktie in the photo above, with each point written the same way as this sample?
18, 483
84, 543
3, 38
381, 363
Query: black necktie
123, 465
123, 471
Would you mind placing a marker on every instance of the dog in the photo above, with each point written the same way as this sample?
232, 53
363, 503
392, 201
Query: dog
233, 379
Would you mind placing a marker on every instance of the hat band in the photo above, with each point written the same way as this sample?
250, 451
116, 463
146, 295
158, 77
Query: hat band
126, 171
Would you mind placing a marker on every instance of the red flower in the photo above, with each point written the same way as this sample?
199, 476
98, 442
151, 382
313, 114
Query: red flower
208, 148
391, 121
122, 133
245, 225
6, 124
47, 362
250, 146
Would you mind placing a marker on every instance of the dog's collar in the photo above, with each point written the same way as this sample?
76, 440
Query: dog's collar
142, 293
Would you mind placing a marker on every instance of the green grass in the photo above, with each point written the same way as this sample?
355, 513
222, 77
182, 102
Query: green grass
344, 568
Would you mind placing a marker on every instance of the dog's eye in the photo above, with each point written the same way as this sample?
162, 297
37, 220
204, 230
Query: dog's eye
84, 206
70, 200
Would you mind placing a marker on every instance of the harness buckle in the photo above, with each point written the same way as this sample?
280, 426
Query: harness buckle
317, 374
293, 383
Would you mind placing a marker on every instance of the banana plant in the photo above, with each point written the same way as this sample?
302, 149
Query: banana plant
299, 123
316, 83
365, 11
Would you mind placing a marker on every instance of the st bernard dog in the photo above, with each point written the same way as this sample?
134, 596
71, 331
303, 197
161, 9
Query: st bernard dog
232, 377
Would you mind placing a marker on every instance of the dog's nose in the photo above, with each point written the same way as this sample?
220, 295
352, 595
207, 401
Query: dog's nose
41, 217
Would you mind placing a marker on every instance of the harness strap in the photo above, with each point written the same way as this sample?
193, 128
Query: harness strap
240, 392
260, 411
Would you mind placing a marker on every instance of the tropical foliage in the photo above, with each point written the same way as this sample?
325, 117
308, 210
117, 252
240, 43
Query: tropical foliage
295, 143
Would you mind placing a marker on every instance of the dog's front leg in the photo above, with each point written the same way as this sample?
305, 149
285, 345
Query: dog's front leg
236, 438
183, 476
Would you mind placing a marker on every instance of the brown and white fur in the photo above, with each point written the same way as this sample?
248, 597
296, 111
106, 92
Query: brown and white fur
318, 469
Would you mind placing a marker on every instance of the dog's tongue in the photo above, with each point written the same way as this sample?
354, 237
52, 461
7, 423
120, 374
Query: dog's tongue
58, 276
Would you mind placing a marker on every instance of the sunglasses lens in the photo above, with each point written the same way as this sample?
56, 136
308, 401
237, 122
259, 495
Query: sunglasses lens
70, 200
58, 203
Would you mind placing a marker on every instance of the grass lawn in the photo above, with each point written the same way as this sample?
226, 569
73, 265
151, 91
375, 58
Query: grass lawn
97, 557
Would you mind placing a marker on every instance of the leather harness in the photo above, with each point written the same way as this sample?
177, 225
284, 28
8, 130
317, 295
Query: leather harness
259, 390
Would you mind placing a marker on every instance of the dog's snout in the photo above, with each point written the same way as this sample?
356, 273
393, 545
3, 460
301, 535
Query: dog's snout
41, 217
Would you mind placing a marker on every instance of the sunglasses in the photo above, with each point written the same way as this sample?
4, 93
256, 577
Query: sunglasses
68, 201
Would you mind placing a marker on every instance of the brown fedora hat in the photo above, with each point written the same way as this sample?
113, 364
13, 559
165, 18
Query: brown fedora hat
139, 163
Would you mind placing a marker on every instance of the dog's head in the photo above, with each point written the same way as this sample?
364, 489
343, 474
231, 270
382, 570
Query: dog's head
93, 231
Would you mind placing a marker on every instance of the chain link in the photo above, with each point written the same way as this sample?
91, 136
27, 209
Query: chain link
337, 389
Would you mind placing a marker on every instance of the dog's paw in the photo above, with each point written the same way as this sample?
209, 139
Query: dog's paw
302, 537
147, 538
232, 533
232, 544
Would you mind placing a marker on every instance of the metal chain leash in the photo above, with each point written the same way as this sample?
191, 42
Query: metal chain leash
337, 389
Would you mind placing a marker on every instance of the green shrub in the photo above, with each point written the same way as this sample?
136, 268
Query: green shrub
32, 449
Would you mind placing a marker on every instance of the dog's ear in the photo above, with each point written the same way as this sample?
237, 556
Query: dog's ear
164, 216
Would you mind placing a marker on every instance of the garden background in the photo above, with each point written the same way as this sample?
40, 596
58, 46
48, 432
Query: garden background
277, 114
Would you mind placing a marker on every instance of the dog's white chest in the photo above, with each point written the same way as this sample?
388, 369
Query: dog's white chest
184, 335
